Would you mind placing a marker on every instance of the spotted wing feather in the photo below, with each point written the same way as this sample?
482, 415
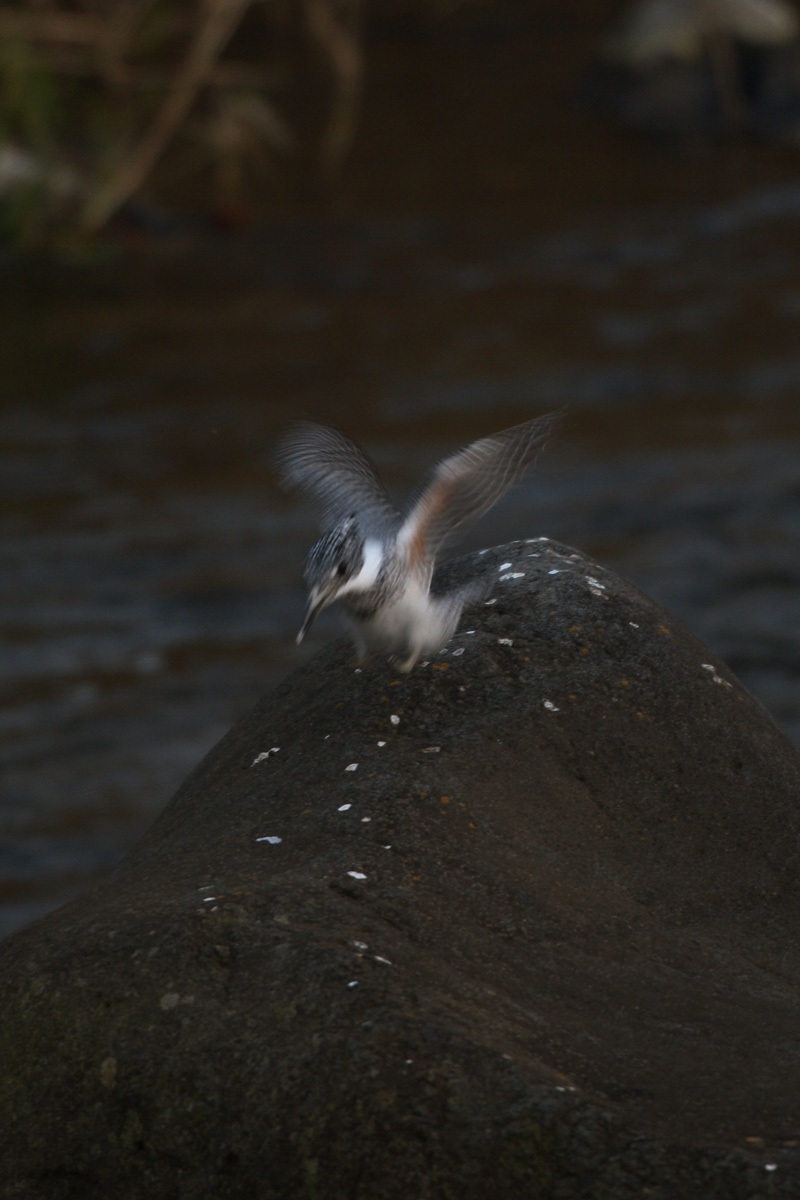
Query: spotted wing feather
335, 476
468, 484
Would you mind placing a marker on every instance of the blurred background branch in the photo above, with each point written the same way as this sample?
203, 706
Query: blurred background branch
91, 98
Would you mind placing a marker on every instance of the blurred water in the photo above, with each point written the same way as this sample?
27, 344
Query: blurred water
149, 568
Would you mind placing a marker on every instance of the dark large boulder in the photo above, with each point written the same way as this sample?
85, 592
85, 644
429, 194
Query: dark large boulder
530, 930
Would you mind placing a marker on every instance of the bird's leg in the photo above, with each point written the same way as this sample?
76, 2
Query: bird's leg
360, 644
408, 664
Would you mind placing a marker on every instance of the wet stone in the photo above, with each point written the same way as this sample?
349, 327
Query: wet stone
583, 976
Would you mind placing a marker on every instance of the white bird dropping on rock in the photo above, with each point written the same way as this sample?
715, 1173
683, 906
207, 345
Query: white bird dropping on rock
265, 754
352, 767
357, 874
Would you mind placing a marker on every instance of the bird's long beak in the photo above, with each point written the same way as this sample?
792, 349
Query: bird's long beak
316, 602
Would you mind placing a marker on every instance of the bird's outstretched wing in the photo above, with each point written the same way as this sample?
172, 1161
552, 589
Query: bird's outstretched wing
466, 486
335, 476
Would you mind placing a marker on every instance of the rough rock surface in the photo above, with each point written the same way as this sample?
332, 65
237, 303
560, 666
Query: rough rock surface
530, 929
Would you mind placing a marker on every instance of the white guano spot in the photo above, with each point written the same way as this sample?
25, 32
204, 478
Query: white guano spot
505, 641
555, 571
381, 743
431, 750
394, 719
457, 653
378, 958
344, 807
265, 754
595, 583
361, 945
352, 767
357, 874
552, 707
633, 624
505, 566
364, 820
512, 575
353, 983
208, 899
492, 601
271, 838
716, 678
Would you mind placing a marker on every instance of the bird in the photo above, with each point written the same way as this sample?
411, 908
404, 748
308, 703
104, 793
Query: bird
377, 564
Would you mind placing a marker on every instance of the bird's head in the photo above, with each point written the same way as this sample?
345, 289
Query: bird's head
333, 563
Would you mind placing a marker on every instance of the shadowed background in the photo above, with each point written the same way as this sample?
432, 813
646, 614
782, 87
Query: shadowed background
490, 250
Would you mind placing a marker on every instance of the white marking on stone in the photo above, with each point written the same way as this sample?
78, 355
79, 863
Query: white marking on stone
378, 958
344, 807
394, 719
381, 743
714, 676
353, 983
633, 624
431, 750
492, 601
555, 571
505, 566
361, 945
265, 754
469, 632
770, 1166
352, 767
594, 583
206, 899
505, 641
365, 819
552, 707
271, 838
357, 671
357, 874
457, 653
512, 575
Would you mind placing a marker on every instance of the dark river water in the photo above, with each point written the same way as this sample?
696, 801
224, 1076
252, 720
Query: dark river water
493, 252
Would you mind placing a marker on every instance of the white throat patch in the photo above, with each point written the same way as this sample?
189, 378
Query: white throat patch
373, 557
